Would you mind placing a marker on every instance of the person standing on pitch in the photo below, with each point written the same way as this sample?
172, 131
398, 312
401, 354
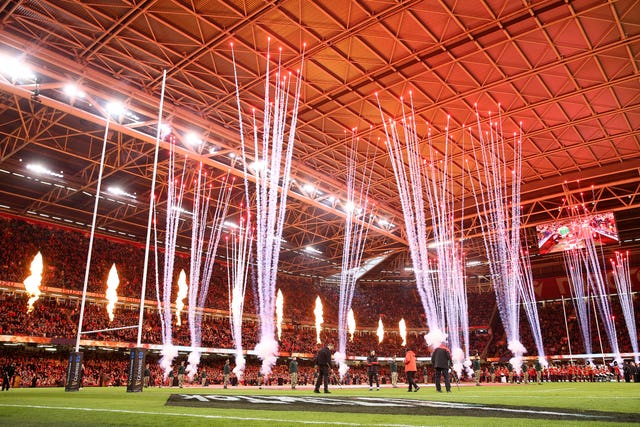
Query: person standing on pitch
538, 367
393, 368
293, 372
203, 378
372, 363
441, 359
323, 362
146, 376
7, 375
410, 368
181, 372
226, 372
476, 367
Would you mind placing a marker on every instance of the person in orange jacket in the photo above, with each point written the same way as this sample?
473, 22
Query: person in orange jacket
410, 368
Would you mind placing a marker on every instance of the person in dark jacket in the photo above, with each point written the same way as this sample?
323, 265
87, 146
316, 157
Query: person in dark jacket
7, 376
441, 360
323, 363
372, 364
293, 372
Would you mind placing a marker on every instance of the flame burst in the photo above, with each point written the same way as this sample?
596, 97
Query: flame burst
403, 331
183, 289
351, 323
112, 291
279, 311
32, 283
319, 320
380, 331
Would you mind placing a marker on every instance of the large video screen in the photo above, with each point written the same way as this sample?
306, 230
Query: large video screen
565, 234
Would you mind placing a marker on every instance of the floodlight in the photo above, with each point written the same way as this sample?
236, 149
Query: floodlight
193, 139
73, 91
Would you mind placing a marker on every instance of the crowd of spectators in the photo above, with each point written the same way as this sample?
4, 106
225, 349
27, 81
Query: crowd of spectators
56, 317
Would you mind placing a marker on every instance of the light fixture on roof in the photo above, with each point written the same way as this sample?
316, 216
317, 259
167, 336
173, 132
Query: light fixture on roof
474, 263
165, 130
116, 109
382, 222
41, 170
73, 91
312, 250
309, 188
193, 139
349, 207
15, 69
117, 191
256, 166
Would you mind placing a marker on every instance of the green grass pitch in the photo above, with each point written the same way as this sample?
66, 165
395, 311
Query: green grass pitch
115, 407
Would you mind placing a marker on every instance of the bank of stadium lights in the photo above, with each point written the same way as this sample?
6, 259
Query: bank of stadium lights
74, 91
311, 190
165, 130
257, 166
117, 110
193, 139
39, 169
384, 223
474, 263
117, 191
15, 69
312, 250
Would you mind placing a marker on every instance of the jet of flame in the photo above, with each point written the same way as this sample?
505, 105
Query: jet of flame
351, 323
32, 283
403, 331
279, 311
112, 291
380, 331
319, 320
183, 289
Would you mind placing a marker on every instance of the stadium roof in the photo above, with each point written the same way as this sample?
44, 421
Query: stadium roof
568, 71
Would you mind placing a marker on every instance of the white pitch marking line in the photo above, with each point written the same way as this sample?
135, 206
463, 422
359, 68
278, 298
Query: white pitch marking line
176, 414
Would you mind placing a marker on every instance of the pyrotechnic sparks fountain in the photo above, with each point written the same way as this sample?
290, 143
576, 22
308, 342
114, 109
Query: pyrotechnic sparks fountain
351, 323
112, 291
439, 182
408, 174
33, 281
583, 260
499, 216
272, 151
580, 296
623, 284
380, 331
201, 270
279, 312
239, 246
402, 327
359, 214
429, 185
183, 289
317, 311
